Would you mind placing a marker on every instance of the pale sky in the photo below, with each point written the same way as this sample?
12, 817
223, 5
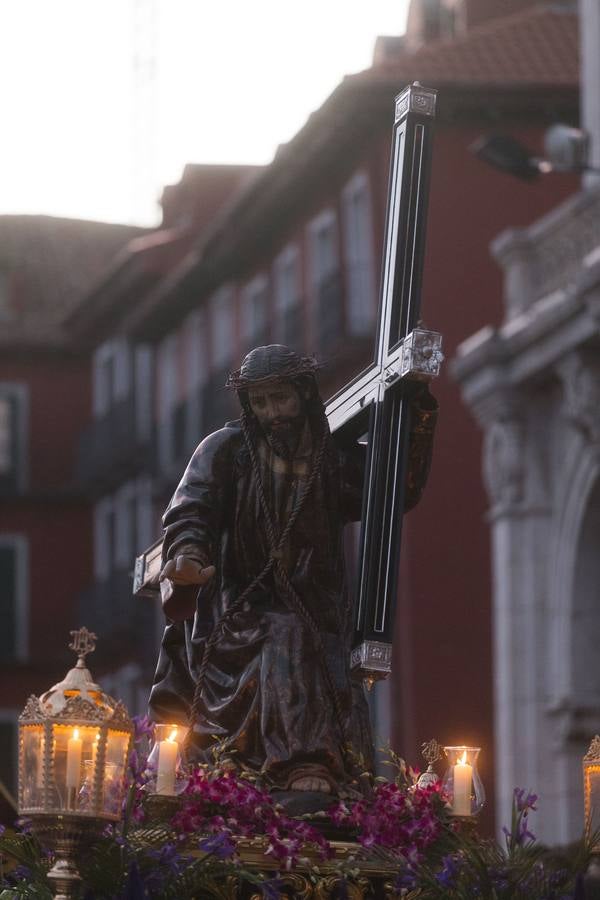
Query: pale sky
221, 81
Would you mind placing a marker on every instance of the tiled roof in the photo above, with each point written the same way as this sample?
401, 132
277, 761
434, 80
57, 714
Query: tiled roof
48, 265
537, 47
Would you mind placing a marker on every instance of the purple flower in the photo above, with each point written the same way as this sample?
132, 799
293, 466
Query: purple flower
525, 801
448, 875
142, 727
271, 889
219, 845
406, 879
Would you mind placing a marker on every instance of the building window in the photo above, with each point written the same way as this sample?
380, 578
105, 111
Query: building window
7, 311
452, 19
221, 328
288, 308
143, 373
255, 298
168, 394
104, 539
325, 281
13, 436
358, 247
112, 378
196, 373
14, 598
124, 526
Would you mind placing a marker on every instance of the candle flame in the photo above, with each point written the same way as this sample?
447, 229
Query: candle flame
173, 736
462, 760
97, 736
76, 734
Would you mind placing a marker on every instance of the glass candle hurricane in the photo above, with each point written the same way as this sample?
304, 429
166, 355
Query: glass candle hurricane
164, 762
461, 783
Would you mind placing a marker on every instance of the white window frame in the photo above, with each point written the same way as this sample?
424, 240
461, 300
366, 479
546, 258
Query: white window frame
359, 256
20, 392
20, 543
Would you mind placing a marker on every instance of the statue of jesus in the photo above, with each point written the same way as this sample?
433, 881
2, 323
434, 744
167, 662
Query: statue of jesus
256, 653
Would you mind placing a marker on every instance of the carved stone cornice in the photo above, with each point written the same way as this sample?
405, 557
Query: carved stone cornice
549, 255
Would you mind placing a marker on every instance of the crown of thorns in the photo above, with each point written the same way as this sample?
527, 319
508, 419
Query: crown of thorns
272, 363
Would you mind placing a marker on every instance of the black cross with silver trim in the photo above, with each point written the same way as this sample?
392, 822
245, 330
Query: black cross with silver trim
375, 401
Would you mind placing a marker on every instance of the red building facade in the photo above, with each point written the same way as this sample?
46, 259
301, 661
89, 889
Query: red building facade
291, 253
45, 523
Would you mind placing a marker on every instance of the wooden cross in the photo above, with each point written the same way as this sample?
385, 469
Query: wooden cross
374, 401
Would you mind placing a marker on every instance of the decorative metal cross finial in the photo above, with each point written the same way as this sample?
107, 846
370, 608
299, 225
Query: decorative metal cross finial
431, 751
83, 642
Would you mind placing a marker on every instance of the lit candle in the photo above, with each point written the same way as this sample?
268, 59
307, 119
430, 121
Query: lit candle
39, 774
167, 762
74, 760
95, 754
463, 777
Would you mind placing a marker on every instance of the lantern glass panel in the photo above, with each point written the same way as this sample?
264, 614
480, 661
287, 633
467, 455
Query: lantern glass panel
114, 771
592, 797
32, 766
74, 750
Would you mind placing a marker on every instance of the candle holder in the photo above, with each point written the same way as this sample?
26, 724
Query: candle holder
167, 776
74, 744
461, 783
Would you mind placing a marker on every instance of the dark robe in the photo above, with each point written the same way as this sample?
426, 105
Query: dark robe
265, 692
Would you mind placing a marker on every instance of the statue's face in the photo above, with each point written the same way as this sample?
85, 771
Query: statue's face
279, 408
276, 405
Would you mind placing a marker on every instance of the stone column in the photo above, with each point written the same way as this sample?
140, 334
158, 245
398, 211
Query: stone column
589, 18
520, 520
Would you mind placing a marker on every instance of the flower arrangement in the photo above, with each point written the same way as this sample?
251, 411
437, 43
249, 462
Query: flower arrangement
197, 851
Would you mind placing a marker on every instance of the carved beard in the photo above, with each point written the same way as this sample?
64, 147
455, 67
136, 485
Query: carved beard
285, 439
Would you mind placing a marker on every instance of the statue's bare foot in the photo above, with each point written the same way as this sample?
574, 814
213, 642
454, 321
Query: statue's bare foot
311, 783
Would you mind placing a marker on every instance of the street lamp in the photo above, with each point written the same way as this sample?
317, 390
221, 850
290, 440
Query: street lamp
566, 149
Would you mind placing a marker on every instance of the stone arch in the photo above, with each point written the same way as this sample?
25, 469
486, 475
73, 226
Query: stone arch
573, 579
579, 491
585, 639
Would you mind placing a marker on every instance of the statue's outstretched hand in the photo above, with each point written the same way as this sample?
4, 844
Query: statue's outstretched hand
182, 570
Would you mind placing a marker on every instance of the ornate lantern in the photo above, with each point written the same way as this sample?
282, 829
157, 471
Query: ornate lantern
74, 744
462, 783
591, 792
